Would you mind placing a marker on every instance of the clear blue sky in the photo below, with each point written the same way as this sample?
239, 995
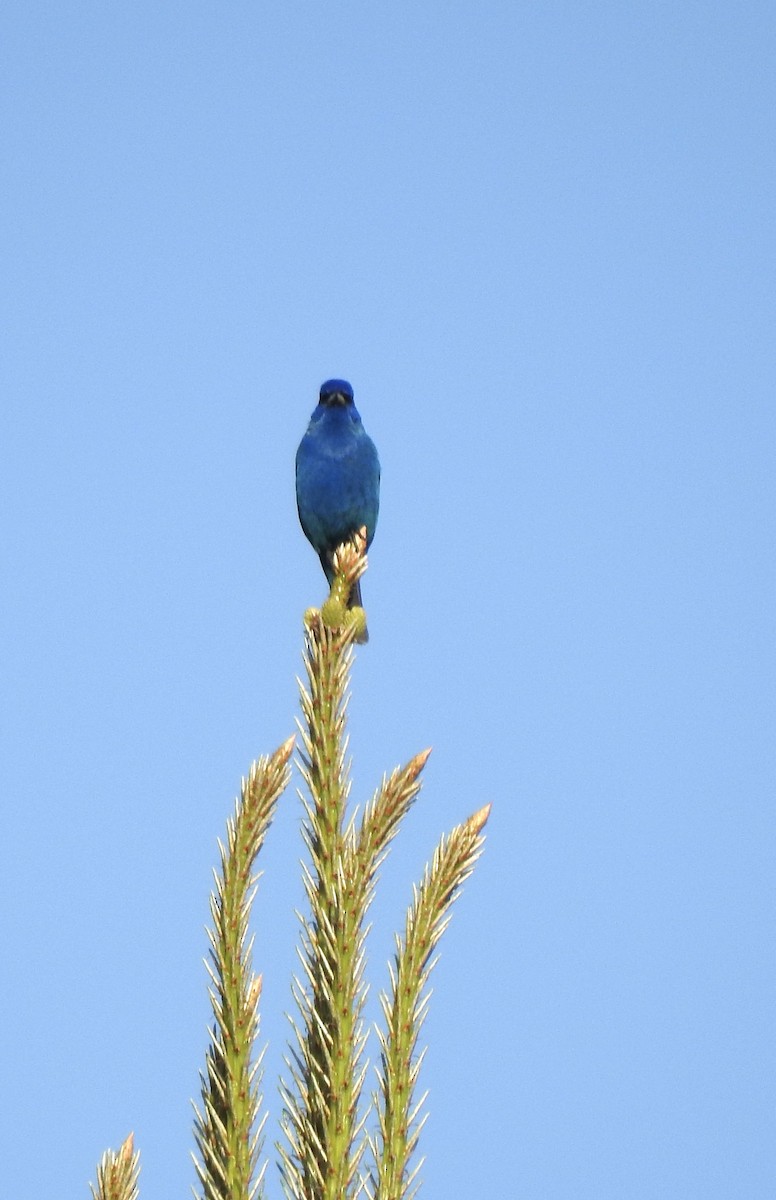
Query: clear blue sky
539, 240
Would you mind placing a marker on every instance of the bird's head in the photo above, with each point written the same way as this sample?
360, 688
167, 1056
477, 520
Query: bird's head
336, 393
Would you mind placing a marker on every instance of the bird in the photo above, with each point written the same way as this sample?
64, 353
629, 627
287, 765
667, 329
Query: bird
337, 479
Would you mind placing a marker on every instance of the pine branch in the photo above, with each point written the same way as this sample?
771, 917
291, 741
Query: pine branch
324, 1118
366, 849
117, 1173
228, 1128
322, 1123
320, 1115
427, 918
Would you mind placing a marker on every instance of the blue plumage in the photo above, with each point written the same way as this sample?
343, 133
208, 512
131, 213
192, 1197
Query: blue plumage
337, 476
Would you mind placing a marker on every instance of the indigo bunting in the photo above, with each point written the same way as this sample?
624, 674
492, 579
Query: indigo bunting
337, 478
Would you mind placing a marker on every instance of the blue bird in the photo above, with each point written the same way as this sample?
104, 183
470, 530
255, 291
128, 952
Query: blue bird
337, 478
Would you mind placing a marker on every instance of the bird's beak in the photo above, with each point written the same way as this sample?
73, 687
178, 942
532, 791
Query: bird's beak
338, 398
